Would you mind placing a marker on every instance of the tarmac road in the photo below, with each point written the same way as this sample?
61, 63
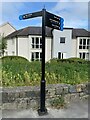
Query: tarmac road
77, 109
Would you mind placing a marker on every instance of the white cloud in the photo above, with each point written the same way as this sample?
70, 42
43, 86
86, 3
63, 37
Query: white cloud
10, 8
10, 11
75, 14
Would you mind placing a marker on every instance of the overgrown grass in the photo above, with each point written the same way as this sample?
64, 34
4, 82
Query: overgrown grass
17, 71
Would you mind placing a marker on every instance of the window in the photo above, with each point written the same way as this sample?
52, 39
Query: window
61, 55
80, 55
80, 44
84, 43
40, 42
87, 56
62, 39
84, 55
36, 56
36, 42
32, 42
88, 43
40, 56
32, 57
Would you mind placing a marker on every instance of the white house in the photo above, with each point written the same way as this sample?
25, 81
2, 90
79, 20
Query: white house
62, 43
70, 42
27, 42
81, 43
5, 30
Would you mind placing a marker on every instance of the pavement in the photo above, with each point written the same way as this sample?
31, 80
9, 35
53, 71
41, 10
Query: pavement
77, 109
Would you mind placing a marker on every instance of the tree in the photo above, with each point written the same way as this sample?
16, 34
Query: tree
3, 44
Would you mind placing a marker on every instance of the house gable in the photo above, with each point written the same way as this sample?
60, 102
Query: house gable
6, 29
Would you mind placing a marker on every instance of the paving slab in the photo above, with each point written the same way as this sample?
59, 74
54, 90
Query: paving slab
77, 109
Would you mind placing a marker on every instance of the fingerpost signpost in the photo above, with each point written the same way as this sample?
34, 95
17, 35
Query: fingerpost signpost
55, 22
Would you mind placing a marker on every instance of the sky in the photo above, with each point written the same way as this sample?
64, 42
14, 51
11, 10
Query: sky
74, 12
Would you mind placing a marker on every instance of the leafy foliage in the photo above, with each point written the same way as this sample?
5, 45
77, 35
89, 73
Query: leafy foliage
3, 44
18, 71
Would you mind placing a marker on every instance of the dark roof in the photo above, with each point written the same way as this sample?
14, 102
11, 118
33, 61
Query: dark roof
80, 33
38, 31
30, 31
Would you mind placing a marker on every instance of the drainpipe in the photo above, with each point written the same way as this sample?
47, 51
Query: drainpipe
52, 39
16, 45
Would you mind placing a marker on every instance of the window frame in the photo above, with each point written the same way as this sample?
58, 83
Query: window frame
34, 56
84, 44
60, 55
84, 55
62, 40
35, 44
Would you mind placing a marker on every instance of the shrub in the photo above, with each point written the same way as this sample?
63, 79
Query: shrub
13, 58
18, 71
58, 102
74, 60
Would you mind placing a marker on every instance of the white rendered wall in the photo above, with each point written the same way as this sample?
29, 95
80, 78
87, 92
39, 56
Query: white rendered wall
66, 47
6, 29
47, 47
23, 47
82, 50
11, 47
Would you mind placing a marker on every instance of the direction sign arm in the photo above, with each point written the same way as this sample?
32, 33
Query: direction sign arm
30, 15
54, 21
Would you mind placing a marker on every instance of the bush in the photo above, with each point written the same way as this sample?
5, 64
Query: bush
18, 71
67, 71
13, 58
74, 60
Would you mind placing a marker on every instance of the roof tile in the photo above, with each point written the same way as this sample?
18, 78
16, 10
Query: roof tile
30, 31
80, 33
38, 31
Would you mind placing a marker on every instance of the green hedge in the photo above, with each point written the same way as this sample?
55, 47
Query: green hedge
13, 58
18, 71
71, 60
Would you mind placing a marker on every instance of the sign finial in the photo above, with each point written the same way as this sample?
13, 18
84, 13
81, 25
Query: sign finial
44, 6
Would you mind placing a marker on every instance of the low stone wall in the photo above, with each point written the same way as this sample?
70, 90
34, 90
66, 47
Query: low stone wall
29, 97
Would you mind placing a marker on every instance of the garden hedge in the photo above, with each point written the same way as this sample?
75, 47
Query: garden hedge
18, 71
